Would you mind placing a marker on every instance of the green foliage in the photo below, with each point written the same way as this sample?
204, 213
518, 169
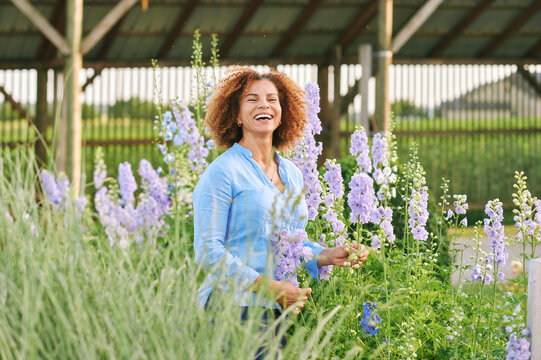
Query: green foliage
407, 108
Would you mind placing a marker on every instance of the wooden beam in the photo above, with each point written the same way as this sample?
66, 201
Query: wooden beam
414, 23
296, 28
109, 39
105, 25
248, 12
16, 106
42, 120
43, 25
72, 92
46, 49
358, 25
459, 28
91, 79
336, 107
384, 58
324, 114
523, 70
511, 28
183, 17
365, 59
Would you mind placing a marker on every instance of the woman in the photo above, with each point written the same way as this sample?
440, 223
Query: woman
237, 199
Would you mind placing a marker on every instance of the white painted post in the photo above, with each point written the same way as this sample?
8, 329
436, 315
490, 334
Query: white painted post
365, 58
534, 307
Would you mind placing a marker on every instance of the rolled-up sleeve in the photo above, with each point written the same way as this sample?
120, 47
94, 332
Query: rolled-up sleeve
212, 200
311, 265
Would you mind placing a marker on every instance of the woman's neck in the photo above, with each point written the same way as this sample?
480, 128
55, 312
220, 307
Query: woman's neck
261, 149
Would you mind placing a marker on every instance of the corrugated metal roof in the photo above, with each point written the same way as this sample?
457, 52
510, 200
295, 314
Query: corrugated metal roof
142, 34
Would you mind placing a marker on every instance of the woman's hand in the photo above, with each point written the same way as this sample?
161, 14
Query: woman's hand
284, 292
343, 255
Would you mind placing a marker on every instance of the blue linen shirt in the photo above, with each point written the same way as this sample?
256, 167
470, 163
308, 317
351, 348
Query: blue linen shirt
236, 210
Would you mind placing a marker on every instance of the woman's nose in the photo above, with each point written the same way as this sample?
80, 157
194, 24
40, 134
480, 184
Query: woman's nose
264, 103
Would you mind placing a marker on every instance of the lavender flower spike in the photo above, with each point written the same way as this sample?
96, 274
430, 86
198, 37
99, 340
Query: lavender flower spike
126, 183
359, 148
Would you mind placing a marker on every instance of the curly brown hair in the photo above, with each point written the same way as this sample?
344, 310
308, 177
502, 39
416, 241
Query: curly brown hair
223, 107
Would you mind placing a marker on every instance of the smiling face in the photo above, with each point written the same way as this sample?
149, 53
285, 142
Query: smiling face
260, 112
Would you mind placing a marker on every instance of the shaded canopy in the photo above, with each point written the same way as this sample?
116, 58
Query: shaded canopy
279, 31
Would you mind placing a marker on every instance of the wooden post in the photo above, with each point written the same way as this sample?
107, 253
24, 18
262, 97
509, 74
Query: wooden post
335, 121
41, 120
365, 58
72, 91
534, 307
323, 82
384, 58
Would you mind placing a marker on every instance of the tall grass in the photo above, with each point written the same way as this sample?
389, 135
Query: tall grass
65, 293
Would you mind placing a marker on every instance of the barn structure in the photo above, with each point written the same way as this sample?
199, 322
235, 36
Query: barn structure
78, 41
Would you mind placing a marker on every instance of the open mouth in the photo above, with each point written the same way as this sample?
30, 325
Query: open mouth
263, 117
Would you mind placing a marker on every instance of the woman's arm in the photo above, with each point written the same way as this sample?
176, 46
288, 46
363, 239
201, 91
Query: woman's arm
211, 203
285, 293
339, 255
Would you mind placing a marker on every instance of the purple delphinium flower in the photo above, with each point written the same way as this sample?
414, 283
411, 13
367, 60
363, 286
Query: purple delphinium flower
370, 318
418, 213
333, 177
126, 183
312, 106
361, 198
155, 186
382, 171
380, 153
477, 274
383, 216
289, 254
187, 128
518, 348
55, 190
495, 232
461, 204
307, 150
359, 148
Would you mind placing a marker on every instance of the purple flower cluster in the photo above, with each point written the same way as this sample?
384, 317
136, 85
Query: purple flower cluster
461, 205
518, 348
333, 201
481, 273
333, 177
122, 220
384, 175
495, 231
383, 216
307, 150
370, 318
188, 132
57, 192
359, 148
289, 254
361, 198
126, 183
418, 213
380, 153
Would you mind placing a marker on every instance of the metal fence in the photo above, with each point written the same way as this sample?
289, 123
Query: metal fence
474, 124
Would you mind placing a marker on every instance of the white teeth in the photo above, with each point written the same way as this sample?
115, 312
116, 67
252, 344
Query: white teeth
262, 116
